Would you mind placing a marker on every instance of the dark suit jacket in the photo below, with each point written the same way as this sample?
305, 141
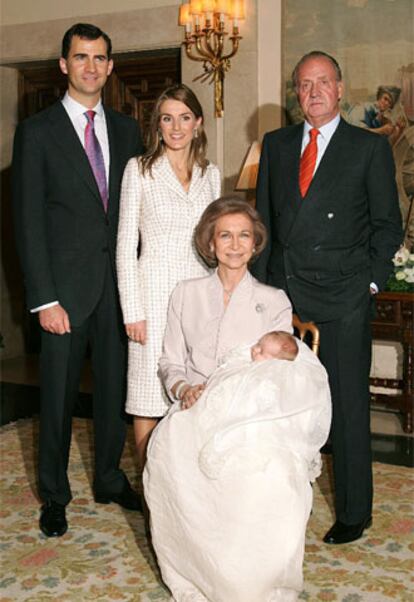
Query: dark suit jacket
63, 235
325, 250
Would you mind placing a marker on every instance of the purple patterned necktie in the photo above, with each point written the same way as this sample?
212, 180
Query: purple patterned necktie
95, 156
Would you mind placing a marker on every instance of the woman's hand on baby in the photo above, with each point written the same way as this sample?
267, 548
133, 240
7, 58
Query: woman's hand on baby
137, 331
190, 395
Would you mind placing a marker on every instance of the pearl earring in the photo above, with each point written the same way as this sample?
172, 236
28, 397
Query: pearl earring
195, 132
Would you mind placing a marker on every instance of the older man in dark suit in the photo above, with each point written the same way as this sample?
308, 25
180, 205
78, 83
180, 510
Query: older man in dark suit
67, 167
326, 191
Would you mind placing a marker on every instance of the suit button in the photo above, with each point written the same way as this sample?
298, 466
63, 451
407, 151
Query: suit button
289, 277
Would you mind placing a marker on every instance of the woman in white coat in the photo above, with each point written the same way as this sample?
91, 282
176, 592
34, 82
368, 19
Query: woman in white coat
164, 192
227, 482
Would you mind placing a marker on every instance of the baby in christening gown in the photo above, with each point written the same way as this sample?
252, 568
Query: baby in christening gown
228, 481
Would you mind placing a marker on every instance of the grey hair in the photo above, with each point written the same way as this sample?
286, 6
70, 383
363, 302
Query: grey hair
313, 55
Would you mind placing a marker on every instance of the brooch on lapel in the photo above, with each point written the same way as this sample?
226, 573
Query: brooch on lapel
330, 215
260, 308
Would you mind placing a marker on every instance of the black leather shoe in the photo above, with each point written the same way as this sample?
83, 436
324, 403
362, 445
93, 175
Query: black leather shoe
342, 533
127, 498
53, 521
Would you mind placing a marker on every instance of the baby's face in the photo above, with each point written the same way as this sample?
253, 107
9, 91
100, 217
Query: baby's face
266, 348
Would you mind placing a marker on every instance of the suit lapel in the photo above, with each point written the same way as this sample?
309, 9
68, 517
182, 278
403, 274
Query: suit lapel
114, 158
289, 167
168, 177
290, 159
324, 176
68, 141
196, 183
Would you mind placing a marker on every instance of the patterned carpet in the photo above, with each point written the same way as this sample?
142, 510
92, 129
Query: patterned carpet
105, 556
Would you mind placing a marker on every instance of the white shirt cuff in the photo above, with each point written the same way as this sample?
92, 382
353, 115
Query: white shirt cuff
35, 310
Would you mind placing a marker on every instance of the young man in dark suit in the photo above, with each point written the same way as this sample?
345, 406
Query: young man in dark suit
67, 168
326, 191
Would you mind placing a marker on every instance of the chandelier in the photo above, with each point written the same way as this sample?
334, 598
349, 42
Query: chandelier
205, 24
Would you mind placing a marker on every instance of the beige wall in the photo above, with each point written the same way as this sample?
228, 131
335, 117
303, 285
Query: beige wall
141, 25
15, 12
269, 65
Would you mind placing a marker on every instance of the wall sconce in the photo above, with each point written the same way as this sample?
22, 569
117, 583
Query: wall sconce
246, 182
205, 23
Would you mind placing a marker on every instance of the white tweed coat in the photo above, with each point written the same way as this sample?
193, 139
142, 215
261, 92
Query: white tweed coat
157, 213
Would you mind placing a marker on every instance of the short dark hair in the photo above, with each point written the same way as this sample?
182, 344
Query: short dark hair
314, 54
226, 205
87, 32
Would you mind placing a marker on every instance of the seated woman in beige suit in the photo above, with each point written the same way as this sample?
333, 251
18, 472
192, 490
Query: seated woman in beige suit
227, 480
209, 316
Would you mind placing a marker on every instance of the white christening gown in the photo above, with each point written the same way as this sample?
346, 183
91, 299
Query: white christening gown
228, 481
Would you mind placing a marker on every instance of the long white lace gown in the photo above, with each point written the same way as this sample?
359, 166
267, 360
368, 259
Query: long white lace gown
228, 481
156, 212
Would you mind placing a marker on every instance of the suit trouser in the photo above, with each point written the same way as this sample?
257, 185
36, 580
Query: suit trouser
345, 351
62, 358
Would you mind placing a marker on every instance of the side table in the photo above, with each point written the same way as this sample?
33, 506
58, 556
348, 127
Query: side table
394, 322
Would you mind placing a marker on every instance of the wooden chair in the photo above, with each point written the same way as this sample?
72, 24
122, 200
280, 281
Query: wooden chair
307, 328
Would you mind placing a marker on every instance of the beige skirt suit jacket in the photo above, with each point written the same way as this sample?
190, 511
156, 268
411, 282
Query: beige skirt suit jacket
200, 330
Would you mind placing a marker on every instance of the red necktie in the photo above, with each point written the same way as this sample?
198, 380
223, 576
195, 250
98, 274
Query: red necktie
307, 162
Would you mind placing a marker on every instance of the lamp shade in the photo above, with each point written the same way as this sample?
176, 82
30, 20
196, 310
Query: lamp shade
196, 7
209, 6
184, 16
237, 9
249, 169
223, 7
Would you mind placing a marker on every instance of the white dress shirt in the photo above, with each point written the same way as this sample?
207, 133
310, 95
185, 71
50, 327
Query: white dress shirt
76, 113
324, 138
